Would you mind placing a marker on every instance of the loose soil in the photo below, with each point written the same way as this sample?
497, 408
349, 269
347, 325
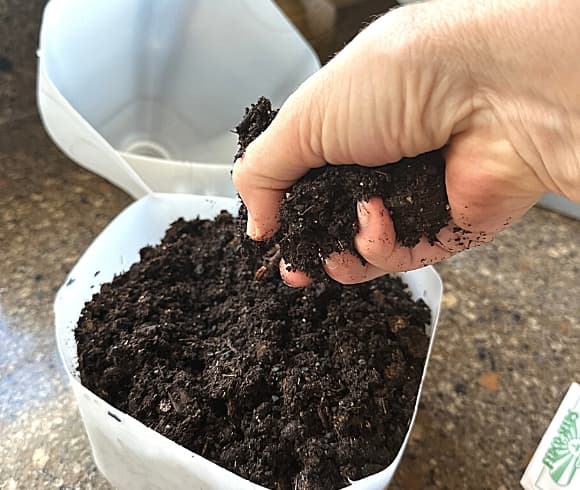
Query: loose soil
318, 214
292, 389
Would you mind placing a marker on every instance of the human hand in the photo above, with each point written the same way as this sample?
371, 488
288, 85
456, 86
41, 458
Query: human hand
496, 81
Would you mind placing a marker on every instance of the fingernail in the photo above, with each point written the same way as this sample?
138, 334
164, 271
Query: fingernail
363, 215
331, 264
251, 227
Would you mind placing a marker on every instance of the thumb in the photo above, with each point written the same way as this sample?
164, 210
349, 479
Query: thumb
277, 159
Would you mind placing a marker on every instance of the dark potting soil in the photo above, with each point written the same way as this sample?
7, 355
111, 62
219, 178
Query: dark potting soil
290, 388
318, 214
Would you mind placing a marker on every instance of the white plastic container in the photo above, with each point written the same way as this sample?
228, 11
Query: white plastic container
145, 93
130, 455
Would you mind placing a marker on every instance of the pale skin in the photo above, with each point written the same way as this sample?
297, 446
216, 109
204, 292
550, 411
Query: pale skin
496, 81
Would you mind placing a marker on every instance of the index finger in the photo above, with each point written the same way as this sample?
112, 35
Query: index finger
273, 162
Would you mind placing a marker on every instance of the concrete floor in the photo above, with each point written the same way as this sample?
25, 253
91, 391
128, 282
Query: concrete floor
508, 344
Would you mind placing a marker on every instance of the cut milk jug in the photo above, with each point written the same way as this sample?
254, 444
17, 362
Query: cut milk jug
146, 93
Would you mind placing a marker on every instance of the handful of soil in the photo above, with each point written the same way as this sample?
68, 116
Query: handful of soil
318, 214
290, 388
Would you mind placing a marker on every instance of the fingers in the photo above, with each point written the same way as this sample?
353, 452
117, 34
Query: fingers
262, 206
342, 267
349, 269
376, 243
382, 254
375, 240
295, 279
